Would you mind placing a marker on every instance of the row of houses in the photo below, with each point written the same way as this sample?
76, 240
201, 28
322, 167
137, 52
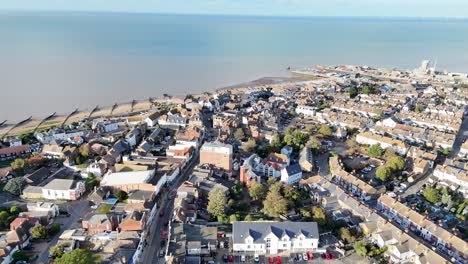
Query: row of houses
351, 183
409, 219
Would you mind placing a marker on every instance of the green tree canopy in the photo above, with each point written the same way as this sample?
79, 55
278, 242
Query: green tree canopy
217, 202
20, 255
274, 203
360, 248
353, 92
39, 231
314, 143
14, 186
57, 251
325, 131
431, 195
383, 173
233, 218
249, 218
77, 256
346, 235
256, 190
249, 146
15, 210
375, 151
396, 163
18, 165
319, 216
121, 195
239, 135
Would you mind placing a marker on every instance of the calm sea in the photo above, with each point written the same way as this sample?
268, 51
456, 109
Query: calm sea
60, 61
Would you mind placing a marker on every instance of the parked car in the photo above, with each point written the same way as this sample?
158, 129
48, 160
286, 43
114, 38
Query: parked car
299, 256
231, 258
256, 258
225, 258
309, 256
270, 260
304, 256
278, 260
161, 213
242, 258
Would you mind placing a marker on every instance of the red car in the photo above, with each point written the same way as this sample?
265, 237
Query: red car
166, 223
309, 256
278, 260
231, 258
327, 256
270, 260
161, 213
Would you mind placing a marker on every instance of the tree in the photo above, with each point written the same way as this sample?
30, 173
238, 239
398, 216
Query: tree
19, 255
383, 173
319, 216
345, 235
360, 248
431, 195
85, 150
314, 143
217, 202
4, 219
121, 195
233, 218
276, 143
389, 153
310, 128
446, 199
18, 165
77, 256
57, 251
353, 92
367, 89
396, 163
375, 151
249, 218
249, 146
325, 131
291, 194
14, 186
274, 203
271, 181
54, 229
420, 108
256, 190
239, 135
39, 231
15, 210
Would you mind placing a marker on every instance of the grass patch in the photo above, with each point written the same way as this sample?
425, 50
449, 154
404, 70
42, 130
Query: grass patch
104, 209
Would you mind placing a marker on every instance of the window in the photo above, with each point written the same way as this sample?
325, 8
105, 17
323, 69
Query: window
268, 243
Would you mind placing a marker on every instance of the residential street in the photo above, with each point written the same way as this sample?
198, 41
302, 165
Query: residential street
77, 210
151, 252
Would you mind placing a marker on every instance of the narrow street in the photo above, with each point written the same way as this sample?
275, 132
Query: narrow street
151, 252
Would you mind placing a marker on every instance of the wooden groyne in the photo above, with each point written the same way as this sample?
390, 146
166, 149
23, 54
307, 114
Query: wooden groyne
68, 117
44, 120
17, 125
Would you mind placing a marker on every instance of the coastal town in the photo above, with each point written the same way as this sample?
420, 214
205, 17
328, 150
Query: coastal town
335, 164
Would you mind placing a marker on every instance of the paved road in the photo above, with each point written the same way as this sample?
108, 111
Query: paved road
151, 252
77, 209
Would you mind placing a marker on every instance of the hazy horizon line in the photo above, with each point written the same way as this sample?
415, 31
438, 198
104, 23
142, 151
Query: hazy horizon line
427, 18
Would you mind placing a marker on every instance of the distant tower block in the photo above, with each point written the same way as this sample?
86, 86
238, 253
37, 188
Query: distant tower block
424, 65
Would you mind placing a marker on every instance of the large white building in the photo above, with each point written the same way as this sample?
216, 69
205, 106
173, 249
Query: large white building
368, 138
63, 189
274, 237
291, 174
306, 110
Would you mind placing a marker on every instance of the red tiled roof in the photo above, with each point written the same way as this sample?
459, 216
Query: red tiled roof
14, 150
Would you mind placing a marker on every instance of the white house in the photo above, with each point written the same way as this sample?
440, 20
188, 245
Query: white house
49, 209
291, 174
274, 237
63, 189
152, 119
306, 110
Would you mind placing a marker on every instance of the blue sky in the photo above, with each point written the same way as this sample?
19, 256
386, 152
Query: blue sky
375, 8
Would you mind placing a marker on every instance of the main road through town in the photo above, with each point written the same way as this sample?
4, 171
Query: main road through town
151, 250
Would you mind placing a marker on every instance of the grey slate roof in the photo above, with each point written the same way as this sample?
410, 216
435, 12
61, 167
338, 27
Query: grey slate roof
293, 169
259, 230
